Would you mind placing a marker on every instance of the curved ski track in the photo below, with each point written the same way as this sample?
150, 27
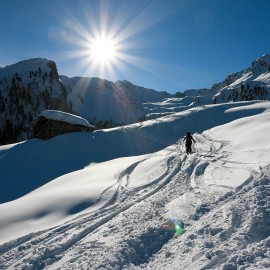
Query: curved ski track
39, 250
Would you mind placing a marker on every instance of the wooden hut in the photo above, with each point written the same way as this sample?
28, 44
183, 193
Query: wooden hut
51, 123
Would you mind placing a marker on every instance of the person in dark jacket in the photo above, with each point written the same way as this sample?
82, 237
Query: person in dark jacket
188, 140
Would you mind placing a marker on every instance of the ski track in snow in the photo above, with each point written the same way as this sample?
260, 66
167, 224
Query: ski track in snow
104, 215
73, 244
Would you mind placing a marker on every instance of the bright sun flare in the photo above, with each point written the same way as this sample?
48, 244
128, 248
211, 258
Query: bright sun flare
103, 50
106, 45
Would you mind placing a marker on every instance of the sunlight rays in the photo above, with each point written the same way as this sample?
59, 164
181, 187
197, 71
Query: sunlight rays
103, 41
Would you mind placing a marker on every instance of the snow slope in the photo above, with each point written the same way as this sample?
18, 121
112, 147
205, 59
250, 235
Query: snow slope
109, 199
99, 99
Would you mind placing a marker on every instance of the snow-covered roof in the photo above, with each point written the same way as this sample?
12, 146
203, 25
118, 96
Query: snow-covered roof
65, 117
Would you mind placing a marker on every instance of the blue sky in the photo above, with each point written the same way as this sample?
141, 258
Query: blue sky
170, 45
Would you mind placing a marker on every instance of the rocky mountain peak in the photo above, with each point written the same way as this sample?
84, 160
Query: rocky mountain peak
262, 63
26, 89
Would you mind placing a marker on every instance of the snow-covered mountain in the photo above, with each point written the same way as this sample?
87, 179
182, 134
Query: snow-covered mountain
29, 87
249, 84
100, 100
252, 83
26, 89
131, 198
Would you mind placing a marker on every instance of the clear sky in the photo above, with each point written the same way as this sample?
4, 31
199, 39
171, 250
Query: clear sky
170, 45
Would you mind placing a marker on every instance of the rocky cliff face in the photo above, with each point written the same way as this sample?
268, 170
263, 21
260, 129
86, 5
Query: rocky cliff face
26, 89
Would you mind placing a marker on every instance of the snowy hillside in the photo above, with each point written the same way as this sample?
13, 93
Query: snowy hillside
115, 199
98, 99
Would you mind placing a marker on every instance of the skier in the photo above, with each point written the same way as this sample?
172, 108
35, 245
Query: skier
188, 140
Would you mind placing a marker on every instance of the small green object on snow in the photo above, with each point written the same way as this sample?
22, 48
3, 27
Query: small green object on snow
175, 225
178, 229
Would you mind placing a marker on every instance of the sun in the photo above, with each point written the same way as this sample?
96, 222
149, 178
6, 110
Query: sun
103, 50
106, 45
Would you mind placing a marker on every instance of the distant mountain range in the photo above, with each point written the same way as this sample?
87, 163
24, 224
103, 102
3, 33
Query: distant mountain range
31, 86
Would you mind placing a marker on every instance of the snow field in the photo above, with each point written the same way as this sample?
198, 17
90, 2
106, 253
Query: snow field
113, 213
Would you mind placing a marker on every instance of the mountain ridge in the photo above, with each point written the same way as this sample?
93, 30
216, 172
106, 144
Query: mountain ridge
248, 84
31, 86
